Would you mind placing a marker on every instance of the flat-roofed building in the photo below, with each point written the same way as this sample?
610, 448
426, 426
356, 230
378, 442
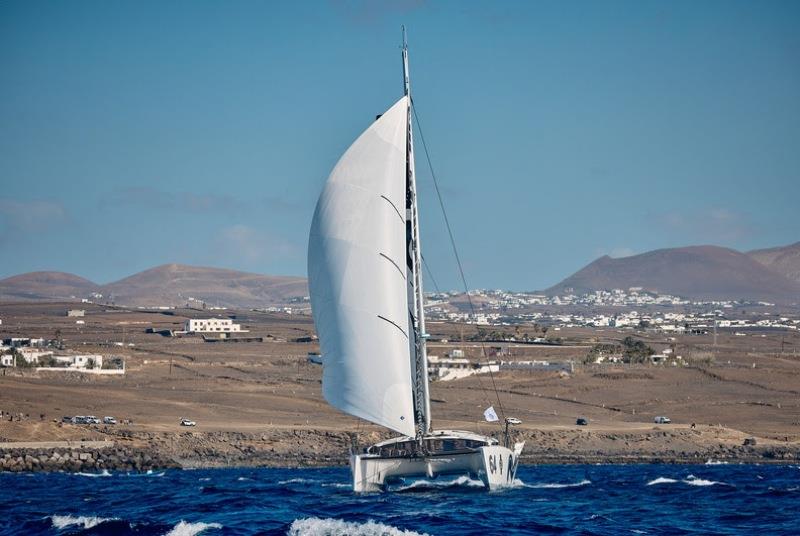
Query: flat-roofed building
210, 325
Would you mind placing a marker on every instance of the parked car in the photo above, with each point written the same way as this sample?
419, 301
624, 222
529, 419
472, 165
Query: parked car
91, 419
582, 421
188, 422
662, 420
109, 420
67, 419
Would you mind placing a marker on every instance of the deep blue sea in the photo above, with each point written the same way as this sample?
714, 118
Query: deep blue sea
552, 499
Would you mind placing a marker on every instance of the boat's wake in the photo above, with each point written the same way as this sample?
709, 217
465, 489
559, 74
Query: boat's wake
422, 485
551, 485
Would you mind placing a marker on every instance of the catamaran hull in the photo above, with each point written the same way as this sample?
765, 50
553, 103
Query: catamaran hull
494, 465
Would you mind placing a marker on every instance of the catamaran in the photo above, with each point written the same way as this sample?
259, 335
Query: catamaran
365, 280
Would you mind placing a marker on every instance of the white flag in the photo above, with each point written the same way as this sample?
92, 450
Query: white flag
490, 415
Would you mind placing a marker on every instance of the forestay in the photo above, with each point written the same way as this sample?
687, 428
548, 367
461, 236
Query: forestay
357, 277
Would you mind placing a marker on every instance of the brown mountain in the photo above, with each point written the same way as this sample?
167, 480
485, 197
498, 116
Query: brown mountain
699, 272
784, 260
175, 284
170, 284
45, 285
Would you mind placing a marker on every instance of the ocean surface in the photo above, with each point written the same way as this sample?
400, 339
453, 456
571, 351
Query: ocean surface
552, 499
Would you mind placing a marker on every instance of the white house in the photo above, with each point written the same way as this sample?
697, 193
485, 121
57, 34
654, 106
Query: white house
32, 355
7, 360
210, 325
80, 361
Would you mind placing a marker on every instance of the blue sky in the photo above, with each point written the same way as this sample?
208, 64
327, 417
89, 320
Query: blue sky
134, 134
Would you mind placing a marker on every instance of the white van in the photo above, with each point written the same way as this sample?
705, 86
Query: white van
662, 420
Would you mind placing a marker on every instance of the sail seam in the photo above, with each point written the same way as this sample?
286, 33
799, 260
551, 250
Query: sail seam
402, 219
393, 264
395, 325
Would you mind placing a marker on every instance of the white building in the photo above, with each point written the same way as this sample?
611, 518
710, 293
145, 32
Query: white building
210, 325
32, 355
80, 361
7, 360
76, 312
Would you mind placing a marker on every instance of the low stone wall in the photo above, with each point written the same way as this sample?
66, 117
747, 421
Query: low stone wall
77, 459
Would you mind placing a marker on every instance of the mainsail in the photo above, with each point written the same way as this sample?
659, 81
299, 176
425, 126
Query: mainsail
357, 277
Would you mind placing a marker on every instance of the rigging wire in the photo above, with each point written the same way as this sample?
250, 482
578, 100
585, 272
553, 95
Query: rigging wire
455, 253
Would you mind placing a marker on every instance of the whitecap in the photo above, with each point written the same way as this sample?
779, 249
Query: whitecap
716, 462
336, 485
183, 528
104, 472
551, 485
314, 526
243, 478
661, 480
694, 481
87, 522
298, 481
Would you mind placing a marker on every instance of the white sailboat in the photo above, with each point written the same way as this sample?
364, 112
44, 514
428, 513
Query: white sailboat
365, 279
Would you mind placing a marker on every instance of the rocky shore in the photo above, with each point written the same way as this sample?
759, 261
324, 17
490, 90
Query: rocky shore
129, 450
82, 460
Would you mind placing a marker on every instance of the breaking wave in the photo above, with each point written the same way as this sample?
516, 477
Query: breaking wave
298, 481
551, 485
184, 528
87, 522
661, 480
104, 472
314, 526
694, 481
690, 480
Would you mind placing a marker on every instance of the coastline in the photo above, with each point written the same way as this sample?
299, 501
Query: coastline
126, 450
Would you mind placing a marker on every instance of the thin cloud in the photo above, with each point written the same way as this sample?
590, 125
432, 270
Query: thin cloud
711, 224
251, 247
155, 199
18, 218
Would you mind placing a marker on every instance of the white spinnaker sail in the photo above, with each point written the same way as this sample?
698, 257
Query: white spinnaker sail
357, 277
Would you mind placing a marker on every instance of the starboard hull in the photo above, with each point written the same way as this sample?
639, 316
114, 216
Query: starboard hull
494, 465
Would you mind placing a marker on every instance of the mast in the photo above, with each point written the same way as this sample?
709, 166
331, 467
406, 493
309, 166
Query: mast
422, 403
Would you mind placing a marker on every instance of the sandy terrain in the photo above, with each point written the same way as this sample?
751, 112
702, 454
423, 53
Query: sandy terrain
262, 400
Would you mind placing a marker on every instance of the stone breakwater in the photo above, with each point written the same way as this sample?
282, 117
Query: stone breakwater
82, 460
133, 450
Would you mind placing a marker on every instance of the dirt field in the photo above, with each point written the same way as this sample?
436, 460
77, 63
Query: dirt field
268, 389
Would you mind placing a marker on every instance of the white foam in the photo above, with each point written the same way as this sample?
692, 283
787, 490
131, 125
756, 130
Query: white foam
336, 485
551, 485
460, 481
716, 462
243, 478
694, 481
314, 526
184, 528
87, 522
661, 480
298, 481
95, 475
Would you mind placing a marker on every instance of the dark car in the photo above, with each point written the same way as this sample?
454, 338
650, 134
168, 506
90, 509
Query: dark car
582, 421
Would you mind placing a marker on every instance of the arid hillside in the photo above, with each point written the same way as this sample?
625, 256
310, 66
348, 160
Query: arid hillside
784, 260
701, 272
